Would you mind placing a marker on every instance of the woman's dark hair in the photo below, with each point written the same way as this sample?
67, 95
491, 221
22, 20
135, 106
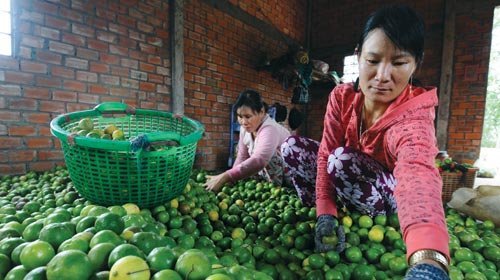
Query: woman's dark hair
281, 112
251, 99
295, 118
402, 25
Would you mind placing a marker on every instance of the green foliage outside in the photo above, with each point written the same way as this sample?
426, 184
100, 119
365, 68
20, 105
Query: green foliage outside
491, 127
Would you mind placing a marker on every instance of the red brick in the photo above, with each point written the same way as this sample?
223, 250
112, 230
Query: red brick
120, 71
73, 39
9, 63
44, 130
127, 42
23, 104
33, 67
63, 72
129, 83
147, 67
88, 98
44, 7
110, 80
106, 13
13, 169
48, 57
98, 67
97, 45
37, 117
52, 106
22, 130
50, 155
117, 29
71, 15
10, 142
9, 116
87, 54
97, 89
98, 23
156, 78
144, 27
110, 59
32, 41
119, 92
126, 21
149, 49
21, 156
52, 82
118, 50
86, 76
147, 86
74, 85
61, 48
60, 95
57, 23
77, 63
36, 92
50, 33
73, 107
154, 59
17, 78
129, 63
41, 166
32, 16
139, 55
10, 90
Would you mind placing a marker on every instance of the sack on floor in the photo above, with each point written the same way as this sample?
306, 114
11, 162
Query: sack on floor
481, 203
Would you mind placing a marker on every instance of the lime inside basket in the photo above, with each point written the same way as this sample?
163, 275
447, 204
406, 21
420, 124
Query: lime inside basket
112, 172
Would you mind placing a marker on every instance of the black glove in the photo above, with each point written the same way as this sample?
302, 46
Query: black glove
426, 271
327, 225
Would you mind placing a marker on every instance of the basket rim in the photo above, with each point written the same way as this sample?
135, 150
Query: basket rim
118, 107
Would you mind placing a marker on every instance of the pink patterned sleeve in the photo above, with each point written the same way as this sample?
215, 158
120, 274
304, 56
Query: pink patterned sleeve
332, 135
266, 144
419, 186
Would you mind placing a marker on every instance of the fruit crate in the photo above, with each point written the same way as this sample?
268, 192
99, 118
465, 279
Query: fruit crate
457, 179
114, 172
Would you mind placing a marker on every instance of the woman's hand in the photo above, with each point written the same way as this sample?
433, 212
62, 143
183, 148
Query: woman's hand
214, 183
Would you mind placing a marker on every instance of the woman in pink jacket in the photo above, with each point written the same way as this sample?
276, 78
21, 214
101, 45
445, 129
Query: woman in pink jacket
378, 146
259, 144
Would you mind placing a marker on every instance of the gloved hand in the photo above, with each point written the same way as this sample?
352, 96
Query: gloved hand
327, 225
426, 271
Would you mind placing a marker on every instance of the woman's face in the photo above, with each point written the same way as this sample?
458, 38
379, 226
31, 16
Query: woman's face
249, 119
384, 70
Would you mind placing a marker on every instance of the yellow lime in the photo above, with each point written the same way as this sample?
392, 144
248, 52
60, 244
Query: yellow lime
131, 208
130, 268
376, 234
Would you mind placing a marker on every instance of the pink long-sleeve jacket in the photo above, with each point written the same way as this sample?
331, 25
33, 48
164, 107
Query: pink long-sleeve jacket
255, 154
403, 140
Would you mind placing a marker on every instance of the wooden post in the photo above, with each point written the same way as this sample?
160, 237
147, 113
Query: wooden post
177, 55
446, 83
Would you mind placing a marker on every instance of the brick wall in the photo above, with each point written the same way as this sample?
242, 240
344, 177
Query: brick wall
221, 53
472, 51
337, 26
74, 54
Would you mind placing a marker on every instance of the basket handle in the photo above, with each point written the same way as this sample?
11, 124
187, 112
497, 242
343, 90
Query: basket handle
115, 108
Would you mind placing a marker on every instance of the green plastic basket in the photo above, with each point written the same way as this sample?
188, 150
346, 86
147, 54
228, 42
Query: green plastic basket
111, 172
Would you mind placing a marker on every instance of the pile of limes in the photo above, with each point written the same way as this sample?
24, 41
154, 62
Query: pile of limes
85, 127
249, 230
